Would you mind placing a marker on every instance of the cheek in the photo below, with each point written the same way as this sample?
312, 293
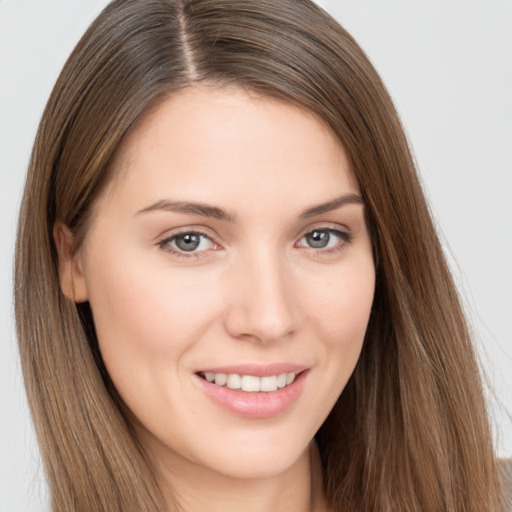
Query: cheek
337, 317
146, 319
340, 308
145, 306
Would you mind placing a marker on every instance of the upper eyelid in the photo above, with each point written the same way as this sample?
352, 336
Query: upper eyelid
165, 245
328, 226
341, 233
168, 235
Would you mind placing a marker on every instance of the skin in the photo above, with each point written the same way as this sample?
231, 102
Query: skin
254, 291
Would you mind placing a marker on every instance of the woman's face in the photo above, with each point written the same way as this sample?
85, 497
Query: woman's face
230, 245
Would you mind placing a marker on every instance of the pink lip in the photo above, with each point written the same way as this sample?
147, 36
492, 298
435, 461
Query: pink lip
254, 405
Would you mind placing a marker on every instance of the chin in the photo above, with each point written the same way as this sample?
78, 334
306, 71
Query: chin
258, 460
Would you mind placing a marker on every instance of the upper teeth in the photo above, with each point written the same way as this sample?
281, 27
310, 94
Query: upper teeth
250, 382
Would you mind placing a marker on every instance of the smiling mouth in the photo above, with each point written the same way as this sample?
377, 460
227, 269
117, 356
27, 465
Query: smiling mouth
250, 383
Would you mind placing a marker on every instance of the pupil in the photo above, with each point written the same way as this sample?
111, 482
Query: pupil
188, 242
318, 239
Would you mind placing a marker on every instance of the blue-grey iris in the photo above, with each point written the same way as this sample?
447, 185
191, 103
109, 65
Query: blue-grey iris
318, 239
188, 241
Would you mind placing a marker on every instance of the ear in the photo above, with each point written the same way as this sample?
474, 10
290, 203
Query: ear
71, 275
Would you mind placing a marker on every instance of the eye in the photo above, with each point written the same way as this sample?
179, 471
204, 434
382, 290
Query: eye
324, 238
190, 242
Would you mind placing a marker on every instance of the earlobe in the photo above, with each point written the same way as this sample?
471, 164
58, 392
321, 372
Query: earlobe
71, 275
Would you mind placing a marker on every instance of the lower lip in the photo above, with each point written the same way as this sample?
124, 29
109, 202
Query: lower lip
254, 405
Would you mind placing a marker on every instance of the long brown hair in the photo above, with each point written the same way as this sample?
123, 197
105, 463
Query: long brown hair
410, 431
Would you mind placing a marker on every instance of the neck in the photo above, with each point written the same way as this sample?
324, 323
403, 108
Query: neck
298, 489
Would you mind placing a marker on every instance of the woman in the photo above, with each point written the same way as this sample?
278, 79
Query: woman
223, 253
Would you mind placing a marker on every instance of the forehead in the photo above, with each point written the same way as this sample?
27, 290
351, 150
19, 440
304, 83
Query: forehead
213, 143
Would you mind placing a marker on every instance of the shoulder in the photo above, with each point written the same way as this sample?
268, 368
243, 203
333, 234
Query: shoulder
506, 471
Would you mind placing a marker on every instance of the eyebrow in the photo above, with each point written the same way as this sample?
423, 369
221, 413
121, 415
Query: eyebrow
334, 204
192, 208
206, 210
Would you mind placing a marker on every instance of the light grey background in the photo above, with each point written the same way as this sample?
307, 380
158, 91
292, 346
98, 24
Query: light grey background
447, 64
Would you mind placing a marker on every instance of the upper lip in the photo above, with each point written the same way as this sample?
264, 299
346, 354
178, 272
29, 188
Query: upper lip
256, 369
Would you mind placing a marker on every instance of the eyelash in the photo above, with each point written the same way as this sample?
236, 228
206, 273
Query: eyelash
344, 236
165, 244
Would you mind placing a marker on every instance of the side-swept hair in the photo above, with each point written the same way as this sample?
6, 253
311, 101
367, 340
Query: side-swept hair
410, 431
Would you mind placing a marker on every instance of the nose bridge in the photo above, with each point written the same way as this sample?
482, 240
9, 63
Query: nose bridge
262, 305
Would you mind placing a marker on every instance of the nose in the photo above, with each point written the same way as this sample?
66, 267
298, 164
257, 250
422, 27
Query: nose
260, 299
